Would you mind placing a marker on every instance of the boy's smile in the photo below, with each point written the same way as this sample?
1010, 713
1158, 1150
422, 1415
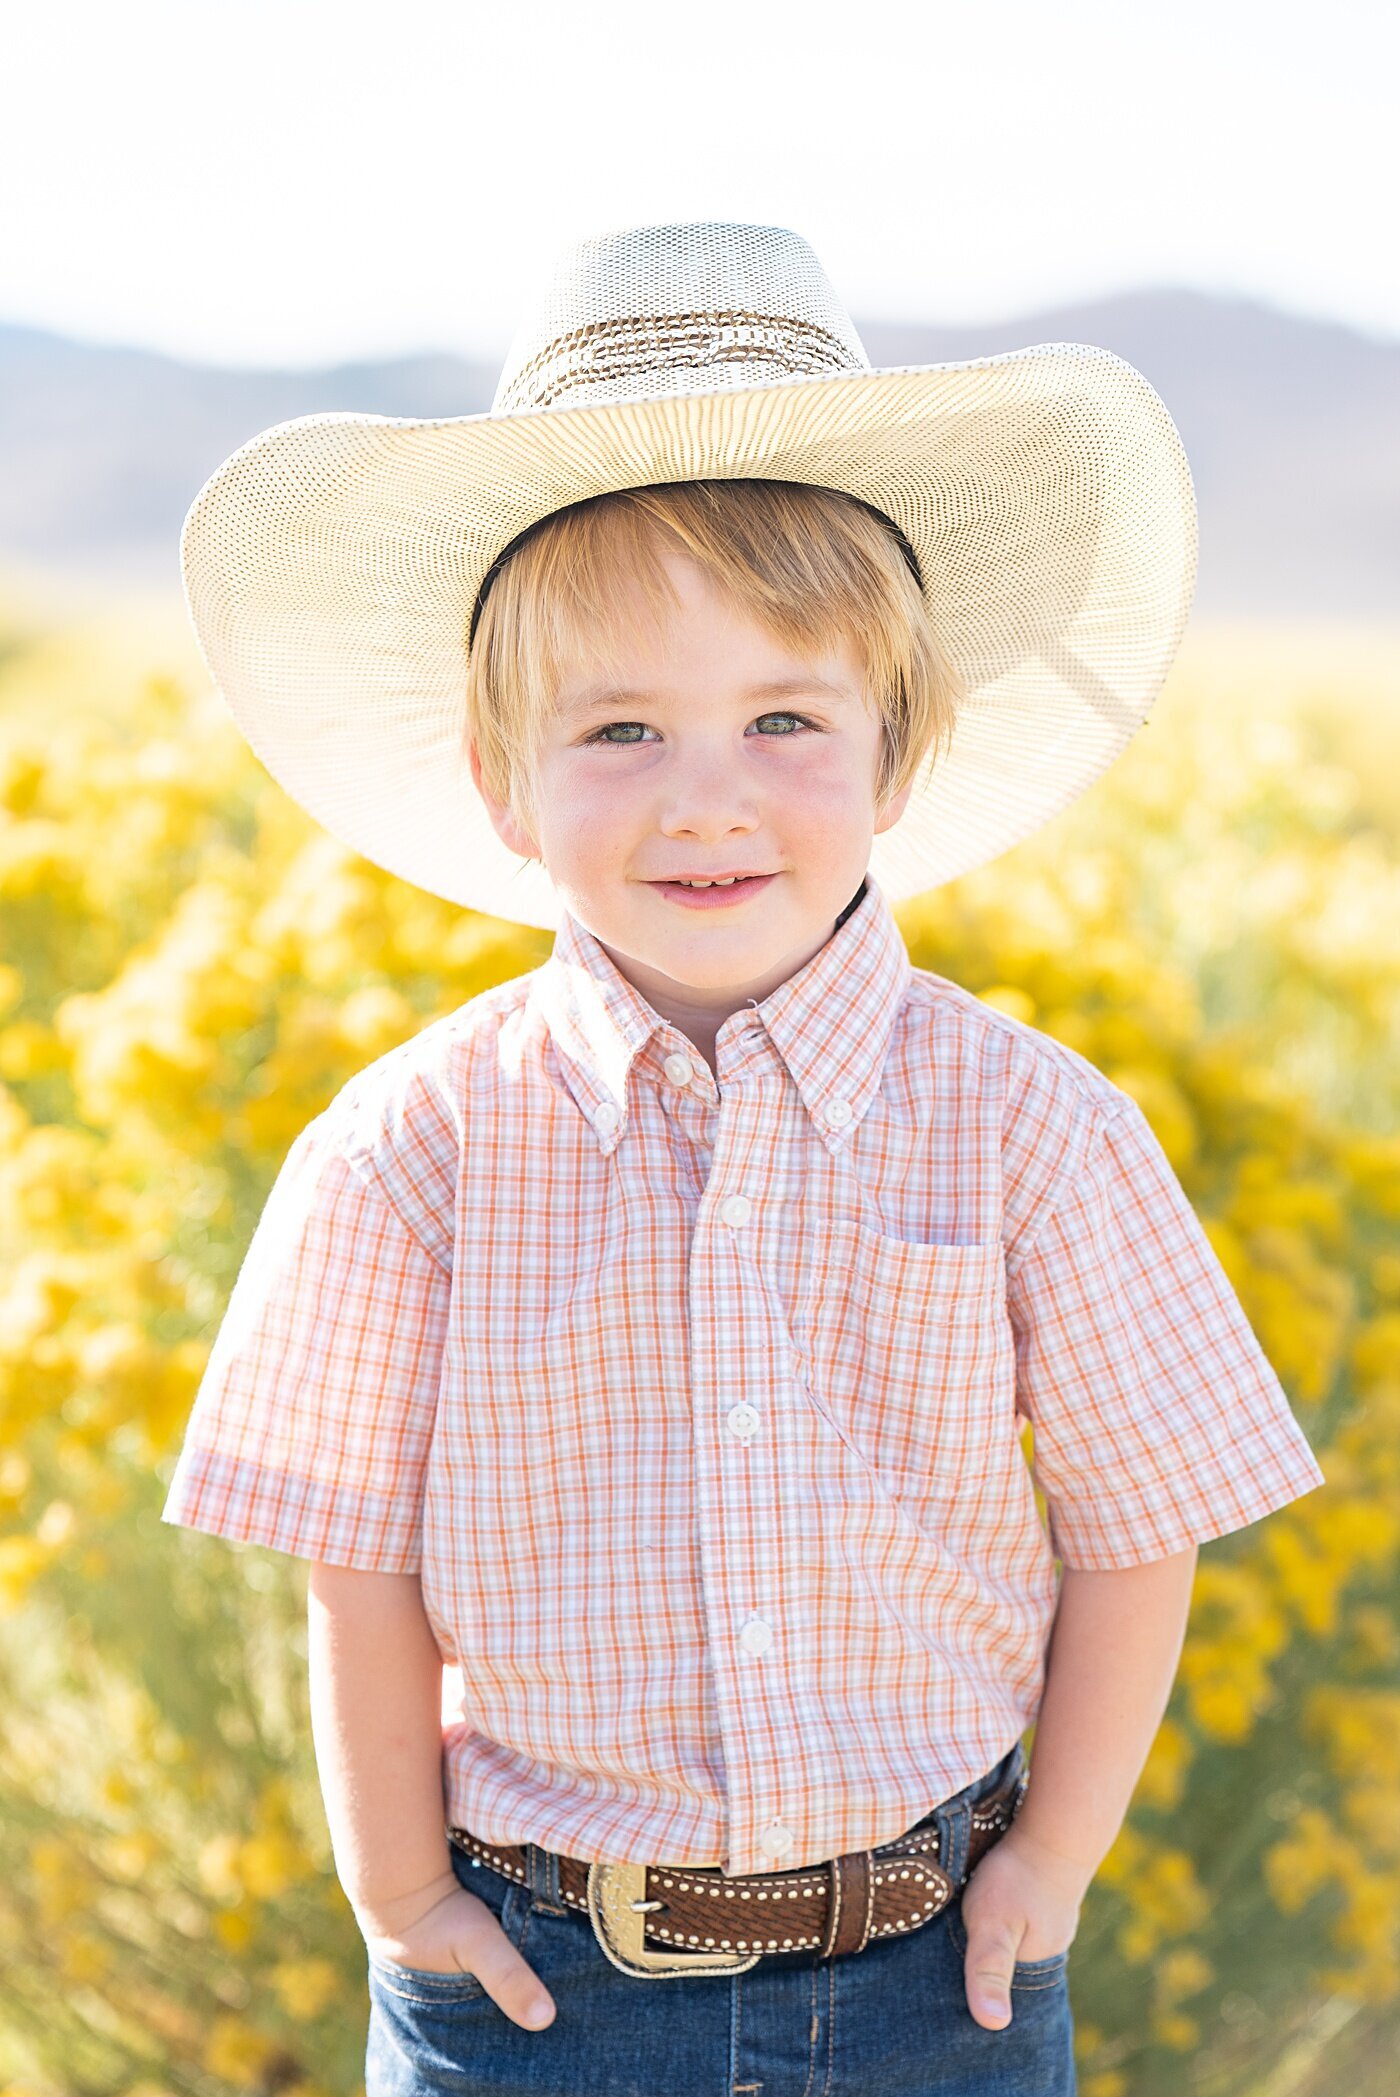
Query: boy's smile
703, 748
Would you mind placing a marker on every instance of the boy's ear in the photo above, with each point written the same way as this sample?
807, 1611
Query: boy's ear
504, 822
890, 814
893, 809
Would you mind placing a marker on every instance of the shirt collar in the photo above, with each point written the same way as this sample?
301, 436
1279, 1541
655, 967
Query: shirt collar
829, 1024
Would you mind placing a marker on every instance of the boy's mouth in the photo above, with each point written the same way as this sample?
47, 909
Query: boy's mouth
713, 895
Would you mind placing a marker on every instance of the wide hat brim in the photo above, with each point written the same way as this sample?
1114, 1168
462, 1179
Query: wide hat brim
331, 565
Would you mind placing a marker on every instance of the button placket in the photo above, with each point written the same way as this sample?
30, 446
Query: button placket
751, 1691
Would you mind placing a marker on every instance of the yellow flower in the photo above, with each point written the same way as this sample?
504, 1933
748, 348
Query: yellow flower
1373, 1810
1007, 997
84, 1959
1375, 1638
1183, 1971
1303, 1861
217, 1866
234, 1929
1370, 1926
1361, 1729
306, 1986
271, 1862
1306, 1581
1137, 1942
22, 1560
1181, 2034
375, 1019
1376, 1351
61, 1881
22, 776
237, 2053
1168, 1764
1126, 1856
1168, 1891
1223, 1710
130, 1857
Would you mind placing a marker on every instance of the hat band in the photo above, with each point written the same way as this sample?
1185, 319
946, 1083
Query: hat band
639, 350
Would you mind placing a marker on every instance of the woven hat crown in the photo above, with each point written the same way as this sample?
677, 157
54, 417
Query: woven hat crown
657, 310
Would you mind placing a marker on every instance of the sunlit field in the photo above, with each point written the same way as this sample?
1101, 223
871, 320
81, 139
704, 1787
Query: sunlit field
189, 969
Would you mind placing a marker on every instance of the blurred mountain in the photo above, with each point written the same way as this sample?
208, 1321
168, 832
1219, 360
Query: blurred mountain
1292, 427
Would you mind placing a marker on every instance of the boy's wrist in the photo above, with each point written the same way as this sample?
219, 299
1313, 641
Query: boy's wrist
1073, 1874
390, 1913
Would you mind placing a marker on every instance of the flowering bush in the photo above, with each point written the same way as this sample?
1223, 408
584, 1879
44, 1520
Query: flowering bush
189, 969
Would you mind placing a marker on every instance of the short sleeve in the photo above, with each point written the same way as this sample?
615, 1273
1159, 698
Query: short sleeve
1158, 1422
311, 1427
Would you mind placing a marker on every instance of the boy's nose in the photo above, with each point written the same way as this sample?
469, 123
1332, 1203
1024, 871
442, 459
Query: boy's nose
709, 820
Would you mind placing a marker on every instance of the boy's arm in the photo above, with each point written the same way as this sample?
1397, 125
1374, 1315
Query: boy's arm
1114, 1649
376, 1716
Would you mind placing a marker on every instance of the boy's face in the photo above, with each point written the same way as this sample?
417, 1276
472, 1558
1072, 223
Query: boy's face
713, 749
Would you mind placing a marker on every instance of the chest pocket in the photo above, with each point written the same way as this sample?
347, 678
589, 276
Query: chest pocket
913, 1359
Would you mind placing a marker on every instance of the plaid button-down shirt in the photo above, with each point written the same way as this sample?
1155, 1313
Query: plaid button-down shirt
699, 1407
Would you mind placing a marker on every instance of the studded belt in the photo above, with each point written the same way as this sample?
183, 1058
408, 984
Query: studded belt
654, 1920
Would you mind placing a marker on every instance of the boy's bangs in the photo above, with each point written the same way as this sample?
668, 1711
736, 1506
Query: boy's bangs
594, 583
815, 567
792, 560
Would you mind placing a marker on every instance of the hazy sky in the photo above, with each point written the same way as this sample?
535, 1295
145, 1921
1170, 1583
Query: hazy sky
299, 182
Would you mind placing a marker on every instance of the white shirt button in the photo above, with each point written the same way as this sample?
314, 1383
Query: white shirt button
837, 1112
775, 1841
606, 1118
735, 1208
757, 1635
743, 1420
679, 1069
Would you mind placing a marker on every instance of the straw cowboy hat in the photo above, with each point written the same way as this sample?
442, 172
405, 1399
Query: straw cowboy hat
332, 565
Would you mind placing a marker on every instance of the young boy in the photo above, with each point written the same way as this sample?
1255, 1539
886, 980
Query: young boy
650, 1338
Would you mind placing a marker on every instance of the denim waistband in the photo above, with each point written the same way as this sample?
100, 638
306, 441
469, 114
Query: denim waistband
1001, 1774
1009, 1768
953, 1818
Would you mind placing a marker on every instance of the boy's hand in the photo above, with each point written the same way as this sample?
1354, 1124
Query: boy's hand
458, 1933
1021, 1902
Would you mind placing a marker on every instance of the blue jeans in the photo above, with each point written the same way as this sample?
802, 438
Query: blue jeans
889, 2021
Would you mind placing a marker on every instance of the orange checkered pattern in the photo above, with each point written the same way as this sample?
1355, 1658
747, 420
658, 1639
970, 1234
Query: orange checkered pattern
696, 1405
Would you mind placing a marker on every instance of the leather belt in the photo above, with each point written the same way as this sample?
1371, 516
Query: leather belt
658, 1919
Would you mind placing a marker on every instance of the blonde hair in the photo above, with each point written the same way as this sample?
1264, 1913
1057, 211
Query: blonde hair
813, 565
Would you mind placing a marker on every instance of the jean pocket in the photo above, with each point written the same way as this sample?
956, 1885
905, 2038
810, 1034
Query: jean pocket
421, 1984
508, 1901
1026, 1973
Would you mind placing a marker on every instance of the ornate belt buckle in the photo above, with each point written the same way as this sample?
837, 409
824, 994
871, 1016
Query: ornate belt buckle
617, 1909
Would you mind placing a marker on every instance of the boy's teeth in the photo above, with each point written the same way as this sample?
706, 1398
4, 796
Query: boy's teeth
714, 884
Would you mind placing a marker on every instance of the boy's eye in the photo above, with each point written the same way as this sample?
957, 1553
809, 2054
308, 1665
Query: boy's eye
598, 734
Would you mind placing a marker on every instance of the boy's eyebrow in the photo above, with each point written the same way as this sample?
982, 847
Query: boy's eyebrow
597, 699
